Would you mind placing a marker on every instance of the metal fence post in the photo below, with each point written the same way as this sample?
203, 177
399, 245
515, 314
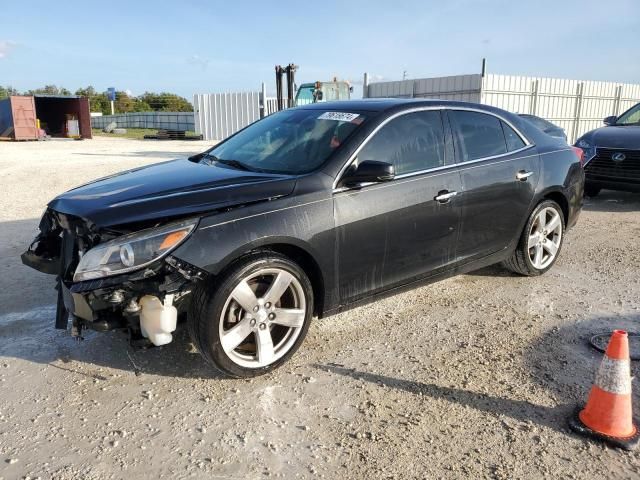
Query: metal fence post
533, 107
578, 111
365, 85
616, 102
263, 101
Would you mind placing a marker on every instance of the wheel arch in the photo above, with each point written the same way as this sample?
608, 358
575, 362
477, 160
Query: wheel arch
559, 197
291, 248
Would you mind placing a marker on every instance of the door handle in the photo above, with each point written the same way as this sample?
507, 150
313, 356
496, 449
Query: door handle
444, 196
523, 175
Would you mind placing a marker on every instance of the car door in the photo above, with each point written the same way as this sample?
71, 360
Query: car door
499, 172
390, 233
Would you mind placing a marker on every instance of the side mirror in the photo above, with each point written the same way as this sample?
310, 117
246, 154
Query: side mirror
369, 171
610, 120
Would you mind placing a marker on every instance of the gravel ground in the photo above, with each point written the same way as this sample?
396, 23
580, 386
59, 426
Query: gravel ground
473, 377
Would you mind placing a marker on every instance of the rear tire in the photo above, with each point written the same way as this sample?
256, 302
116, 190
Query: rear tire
254, 317
540, 242
591, 190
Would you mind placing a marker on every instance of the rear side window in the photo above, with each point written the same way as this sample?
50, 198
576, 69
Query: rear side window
514, 142
411, 142
479, 135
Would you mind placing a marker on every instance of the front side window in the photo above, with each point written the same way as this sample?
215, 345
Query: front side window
630, 117
411, 142
288, 142
479, 135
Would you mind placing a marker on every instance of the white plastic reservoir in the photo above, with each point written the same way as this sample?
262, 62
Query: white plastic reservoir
158, 320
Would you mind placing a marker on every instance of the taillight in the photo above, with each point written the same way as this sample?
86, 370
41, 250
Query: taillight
580, 154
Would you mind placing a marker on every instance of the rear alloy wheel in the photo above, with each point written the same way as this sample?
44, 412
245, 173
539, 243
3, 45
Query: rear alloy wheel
255, 318
541, 241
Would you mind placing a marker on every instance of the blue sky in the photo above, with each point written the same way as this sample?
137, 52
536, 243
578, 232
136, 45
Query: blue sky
196, 46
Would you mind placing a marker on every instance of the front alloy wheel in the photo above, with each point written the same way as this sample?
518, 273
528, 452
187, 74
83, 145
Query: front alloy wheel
253, 318
262, 317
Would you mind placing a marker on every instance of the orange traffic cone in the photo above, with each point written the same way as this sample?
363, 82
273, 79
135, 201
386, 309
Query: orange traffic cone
607, 415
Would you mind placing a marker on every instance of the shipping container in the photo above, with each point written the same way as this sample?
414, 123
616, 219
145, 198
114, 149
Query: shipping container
53, 111
20, 116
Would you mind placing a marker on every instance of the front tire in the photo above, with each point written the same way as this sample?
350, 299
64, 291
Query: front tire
253, 318
541, 241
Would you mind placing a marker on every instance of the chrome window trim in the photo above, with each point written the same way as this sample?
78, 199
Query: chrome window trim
354, 155
378, 185
436, 171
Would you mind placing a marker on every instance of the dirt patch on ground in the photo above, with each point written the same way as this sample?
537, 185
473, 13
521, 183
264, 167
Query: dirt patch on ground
473, 377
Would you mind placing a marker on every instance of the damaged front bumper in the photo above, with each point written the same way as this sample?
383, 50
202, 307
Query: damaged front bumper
154, 293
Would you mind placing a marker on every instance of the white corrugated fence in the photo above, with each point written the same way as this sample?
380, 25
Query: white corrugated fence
219, 115
575, 105
464, 88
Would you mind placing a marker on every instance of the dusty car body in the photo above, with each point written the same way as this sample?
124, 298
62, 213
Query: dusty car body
345, 232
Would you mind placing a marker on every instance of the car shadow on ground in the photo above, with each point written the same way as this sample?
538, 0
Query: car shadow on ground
519, 410
613, 201
31, 336
560, 362
563, 361
496, 270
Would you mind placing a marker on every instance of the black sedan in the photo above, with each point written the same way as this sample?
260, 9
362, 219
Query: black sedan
612, 154
305, 213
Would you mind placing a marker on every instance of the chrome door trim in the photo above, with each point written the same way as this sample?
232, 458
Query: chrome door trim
445, 197
522, 176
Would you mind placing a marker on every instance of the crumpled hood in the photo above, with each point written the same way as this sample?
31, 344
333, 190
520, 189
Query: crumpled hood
624, 137
168, 189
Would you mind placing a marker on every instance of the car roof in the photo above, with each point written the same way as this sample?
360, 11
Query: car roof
383, 104
393, 105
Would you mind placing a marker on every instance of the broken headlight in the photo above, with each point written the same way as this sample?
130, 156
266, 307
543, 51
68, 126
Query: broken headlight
132, 252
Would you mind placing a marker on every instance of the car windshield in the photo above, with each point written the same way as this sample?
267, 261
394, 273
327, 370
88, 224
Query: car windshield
289, 142
630, 117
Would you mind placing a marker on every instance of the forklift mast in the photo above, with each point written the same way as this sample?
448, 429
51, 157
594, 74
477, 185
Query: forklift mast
308, 92
290, 71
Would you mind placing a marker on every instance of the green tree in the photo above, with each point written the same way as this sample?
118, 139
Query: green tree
98, 101
124, 103
49, 90
7, 91
166, 102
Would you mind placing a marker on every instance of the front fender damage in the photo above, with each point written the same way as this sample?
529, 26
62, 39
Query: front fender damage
111, 302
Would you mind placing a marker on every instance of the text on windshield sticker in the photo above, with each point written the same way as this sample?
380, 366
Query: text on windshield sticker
339, 116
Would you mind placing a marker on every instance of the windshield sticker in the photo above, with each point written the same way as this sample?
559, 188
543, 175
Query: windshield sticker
339, 116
